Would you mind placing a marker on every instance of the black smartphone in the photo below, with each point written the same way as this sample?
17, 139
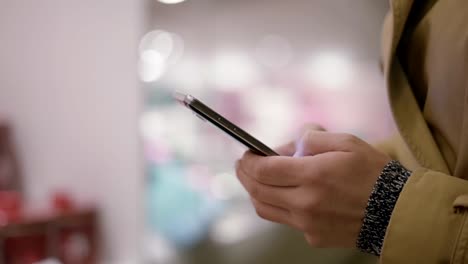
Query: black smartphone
207, 114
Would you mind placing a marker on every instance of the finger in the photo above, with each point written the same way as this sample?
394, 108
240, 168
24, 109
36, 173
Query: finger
287, 149
300, 151
313, 240
277, 196
274, 170
317, 142
290, 148
271, 213
311, 126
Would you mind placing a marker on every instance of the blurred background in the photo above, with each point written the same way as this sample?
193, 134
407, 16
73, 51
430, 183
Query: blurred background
99, 165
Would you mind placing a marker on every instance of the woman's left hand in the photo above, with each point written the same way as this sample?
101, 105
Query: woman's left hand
322, 191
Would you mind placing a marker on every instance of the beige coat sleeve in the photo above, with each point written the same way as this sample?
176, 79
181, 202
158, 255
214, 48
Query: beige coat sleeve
429, 223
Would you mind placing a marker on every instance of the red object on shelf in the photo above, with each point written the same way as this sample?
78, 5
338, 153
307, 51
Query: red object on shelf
25, 249
10, 207
70, 237
62, 202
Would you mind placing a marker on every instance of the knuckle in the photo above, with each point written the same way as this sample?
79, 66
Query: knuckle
255, 191
314, 126
257, 170
263, 171
261, 177
302, 224
308, 136
260, 173
350, 140
314, 240
261, 213
307, 225
310, 205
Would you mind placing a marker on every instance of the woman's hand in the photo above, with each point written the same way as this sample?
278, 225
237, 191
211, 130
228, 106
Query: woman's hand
322, 191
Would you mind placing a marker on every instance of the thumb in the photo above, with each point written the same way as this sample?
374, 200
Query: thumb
299, 146
312, 126
315, 142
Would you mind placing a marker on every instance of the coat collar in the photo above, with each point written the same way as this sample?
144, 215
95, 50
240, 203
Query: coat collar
409, 118
399, 12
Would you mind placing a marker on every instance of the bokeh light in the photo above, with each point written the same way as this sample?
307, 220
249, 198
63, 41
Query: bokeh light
330, 70
158, 50
274, 51
171, 1
231, 70
272, 109
151, 66
233, 228
158, 40
188, 76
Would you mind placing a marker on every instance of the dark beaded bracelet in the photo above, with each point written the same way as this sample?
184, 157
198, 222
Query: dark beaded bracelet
380, 207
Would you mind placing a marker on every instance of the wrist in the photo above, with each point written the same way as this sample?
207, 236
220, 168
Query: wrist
380, 206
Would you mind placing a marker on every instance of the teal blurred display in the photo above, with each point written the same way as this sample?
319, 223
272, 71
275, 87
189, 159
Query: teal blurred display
177, 211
